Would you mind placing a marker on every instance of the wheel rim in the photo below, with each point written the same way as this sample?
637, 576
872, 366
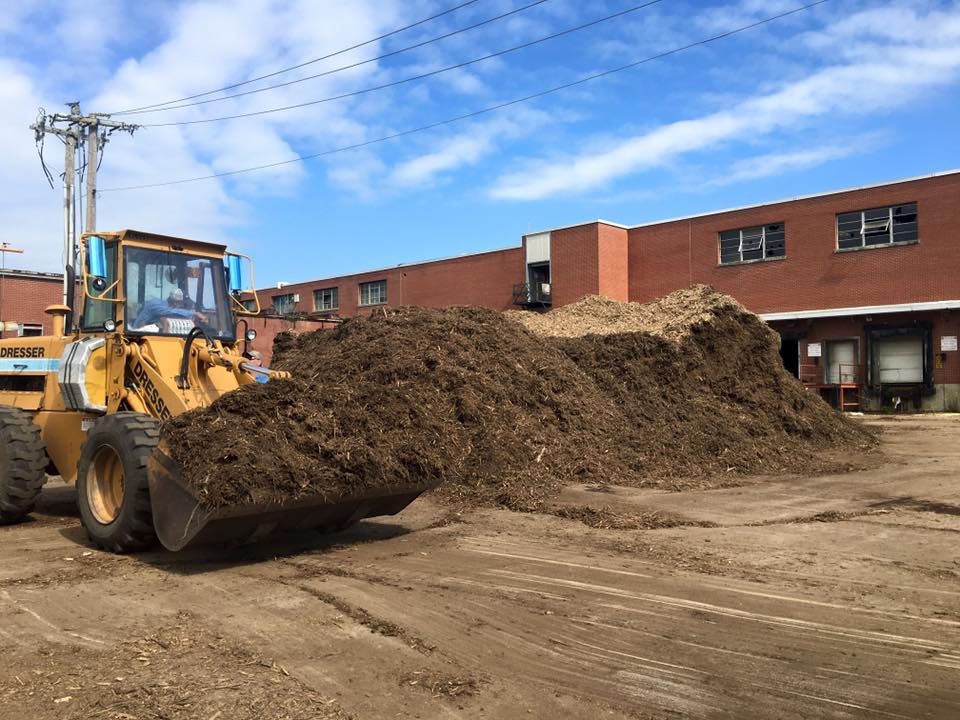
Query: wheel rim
105, 485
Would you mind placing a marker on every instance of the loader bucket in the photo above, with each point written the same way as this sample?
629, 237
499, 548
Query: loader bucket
180, 520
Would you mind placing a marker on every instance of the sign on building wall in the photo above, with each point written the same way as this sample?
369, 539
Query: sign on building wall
814, 350
948, 343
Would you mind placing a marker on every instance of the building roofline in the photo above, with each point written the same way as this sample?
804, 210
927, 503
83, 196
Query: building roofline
390, 267
862, 310
798, 198
601, 221
738, 208
598, 221
31, 274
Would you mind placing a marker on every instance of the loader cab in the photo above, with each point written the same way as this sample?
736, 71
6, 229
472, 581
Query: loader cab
159, 286
169, 293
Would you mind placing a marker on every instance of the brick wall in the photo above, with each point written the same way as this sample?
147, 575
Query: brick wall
484, 279
813, 275
590, 259
23, 298
269, 327
613, 262
574, 263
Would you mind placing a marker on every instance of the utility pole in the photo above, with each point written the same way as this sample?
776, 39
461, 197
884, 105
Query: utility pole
93, 159
77, 131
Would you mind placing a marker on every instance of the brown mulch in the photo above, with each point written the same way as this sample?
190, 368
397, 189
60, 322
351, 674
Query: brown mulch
669, 394
178, 671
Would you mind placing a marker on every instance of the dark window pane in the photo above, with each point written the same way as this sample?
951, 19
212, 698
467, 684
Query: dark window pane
730, 256
753, 254
876, 237
849, 240
905, 213
848, 230
905, 232
876, 214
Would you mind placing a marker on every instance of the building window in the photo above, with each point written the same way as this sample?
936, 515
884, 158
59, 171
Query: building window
250, 305
326, 299
879, 226
30, 330
754, 243
373, 293
284, 304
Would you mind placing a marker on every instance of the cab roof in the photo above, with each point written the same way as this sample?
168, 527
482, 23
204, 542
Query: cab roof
142, 236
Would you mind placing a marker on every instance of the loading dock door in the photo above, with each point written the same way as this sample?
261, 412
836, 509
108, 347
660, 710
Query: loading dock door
841, 361
899, 359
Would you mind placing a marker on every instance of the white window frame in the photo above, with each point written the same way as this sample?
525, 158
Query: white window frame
366, 289
334, 296
751, 243
876, 224
23, 327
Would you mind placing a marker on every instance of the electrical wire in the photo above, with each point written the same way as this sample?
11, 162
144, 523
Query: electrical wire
303, 64
476, 113
412, 78
351, 66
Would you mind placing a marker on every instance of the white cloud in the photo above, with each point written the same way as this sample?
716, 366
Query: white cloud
467, 148
460, 151
723, 18
779, 162
198, 46
891, 71
30, 216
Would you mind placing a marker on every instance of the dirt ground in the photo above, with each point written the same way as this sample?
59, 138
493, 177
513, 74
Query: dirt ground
800, 597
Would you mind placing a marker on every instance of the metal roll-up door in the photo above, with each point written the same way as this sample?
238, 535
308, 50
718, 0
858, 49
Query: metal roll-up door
899, 359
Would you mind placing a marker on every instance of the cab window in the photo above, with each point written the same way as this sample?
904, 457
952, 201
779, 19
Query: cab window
96, 311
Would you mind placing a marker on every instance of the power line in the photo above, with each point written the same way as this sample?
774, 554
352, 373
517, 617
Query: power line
476, 113
412, 78
351, 66
303, 64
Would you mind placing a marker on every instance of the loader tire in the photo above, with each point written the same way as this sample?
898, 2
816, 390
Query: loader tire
23, 459
113, 489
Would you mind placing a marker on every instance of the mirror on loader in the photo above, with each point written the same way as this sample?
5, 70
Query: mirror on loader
251, 304
97, 262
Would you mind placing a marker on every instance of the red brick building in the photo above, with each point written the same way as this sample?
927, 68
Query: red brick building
863, 285
23, 297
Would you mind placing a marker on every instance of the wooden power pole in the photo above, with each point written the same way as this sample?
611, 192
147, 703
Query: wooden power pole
78, 131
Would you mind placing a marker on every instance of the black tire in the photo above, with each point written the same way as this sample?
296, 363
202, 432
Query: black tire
23, 459
127, 525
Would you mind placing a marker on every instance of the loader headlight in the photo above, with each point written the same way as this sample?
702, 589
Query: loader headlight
109, 325
251, 335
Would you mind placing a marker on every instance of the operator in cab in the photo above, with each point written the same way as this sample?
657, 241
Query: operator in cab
175, 306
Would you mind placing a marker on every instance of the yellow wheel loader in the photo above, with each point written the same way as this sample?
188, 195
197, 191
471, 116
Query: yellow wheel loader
157, 336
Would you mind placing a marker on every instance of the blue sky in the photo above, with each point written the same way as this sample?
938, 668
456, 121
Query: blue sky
846, 93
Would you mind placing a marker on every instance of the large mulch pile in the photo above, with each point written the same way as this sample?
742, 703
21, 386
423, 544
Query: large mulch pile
677, 393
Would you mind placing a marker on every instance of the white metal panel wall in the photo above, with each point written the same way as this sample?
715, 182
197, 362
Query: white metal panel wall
538, 248
900, 359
